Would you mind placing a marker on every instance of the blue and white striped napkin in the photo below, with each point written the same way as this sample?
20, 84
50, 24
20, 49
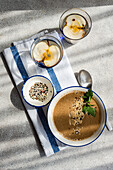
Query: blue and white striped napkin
22, 67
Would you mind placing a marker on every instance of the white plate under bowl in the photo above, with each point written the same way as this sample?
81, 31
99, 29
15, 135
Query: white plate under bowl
30, 82
58, 135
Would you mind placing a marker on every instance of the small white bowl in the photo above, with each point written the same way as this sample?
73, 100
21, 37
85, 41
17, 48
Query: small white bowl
30, 82
58, 135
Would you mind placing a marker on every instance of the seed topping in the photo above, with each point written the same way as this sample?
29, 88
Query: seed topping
38, 91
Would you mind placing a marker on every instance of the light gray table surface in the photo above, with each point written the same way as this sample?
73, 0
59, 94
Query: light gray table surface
19, 145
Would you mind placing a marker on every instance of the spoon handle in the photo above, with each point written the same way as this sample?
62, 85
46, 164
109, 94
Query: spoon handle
108, 125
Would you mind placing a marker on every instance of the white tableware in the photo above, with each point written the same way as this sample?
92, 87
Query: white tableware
58, 135
30, 82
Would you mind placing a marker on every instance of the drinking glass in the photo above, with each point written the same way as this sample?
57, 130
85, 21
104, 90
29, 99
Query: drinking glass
74, 28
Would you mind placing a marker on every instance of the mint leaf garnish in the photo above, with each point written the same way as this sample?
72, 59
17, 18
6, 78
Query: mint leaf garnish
87, 106
89, 110
87, 96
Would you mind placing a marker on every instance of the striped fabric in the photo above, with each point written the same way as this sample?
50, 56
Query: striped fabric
22, 67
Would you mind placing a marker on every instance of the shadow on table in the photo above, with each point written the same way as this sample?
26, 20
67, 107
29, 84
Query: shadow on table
50, 5
17, 102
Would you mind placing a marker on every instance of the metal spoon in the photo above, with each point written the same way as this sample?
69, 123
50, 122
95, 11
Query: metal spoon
85, 80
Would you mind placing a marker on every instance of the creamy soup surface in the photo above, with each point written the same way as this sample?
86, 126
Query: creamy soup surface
81, 131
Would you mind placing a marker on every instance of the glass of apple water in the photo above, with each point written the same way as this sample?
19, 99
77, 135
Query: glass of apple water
75, 24
47, 51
